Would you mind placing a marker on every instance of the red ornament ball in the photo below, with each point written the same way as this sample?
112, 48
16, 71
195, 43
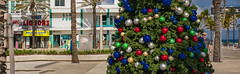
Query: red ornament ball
149, 10
137, 29
164, 30
201, 60
164, 57
194, 71
163, 38
195, 39
120, 58
120, 30
179, 40
172, 69
179, 29
123, 38
138, 52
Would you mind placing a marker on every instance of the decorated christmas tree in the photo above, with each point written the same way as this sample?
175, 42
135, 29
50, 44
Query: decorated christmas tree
158, 36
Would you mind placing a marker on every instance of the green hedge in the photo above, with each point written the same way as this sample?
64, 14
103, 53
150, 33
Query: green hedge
54, 52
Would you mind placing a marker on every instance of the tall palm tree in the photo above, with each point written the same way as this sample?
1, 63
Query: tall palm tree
204, 16
93, 4
217, 48
3, 66
226, 24
73, 30
33, 6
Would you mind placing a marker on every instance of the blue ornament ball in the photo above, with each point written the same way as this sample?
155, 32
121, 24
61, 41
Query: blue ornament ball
118, 70
195, 29
174, 21
172, 17
116, 21
147, 38
189, 48
116, 55
193, 18
156, 10
200, 45
121, 18
143, 62
146, 66
181, 56
194, 56
162, 49
130, 9
110, 61
202, 39
124, 61
194, 12
194, 51
167, 2
195, 47
116, 37
198, 51
168, 63
144, 11
170, 51
187, 27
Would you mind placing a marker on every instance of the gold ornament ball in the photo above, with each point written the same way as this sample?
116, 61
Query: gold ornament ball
186, 37
170, 58
118, 16
145, 53
156, 16
122, 34
130, 60
149, 18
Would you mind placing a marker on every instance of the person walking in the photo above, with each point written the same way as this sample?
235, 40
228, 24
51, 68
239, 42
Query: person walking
207, 44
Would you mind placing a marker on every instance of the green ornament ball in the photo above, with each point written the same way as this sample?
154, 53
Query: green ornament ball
119, 4
125, 46
192, 32
184, 19
116, 32
191, 54
117, 44
172, 41
205, 50
162, 19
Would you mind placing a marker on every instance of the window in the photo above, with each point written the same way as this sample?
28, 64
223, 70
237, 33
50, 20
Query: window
12, 6
107, 2
104, 20
59, 2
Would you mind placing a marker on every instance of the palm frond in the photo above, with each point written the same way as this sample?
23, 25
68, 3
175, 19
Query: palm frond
101, 8
44, 5
84, 5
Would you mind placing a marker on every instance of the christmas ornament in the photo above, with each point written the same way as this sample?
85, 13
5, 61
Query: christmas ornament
120, 58
121, 9
193, 18
172, 41
163, 38
150, 18
179, 10
120, 30
164, 30
138, 52
122, 34
189, 49
201, 60
130, 60
156, 16
174, 21
198, 51
110, 61
172, 69
179, 40
118, 16
192, 32
118, 70
194, 71
187, 27
181, 56
129, 49
162, 19
191, 54
167, 2
164, 57
186, 3
145, 53
121, 18
151, 45
156, 10
195, 39
203, 54
194, 12
163, 66
205, 50
116, 37
117, 44
195, 29
143, 62
198, 21
116, 55
137, 64
172, 17
149, 10
124, 61
184, 19
137, 29
170, 58
113, 48
141, 40
121, 52
145, 66
144, 11
144, 20
147, 38
186, 14
179, 29
156, 58
170, 51
151, 51
195, 47
200, 45
136, 21
162, 49
128, 22
186, 37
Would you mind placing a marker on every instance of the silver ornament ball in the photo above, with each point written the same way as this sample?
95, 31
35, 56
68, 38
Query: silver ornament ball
136, 21
186, 14
144, 20
203, 54
163, 66
186, 3
141, 40
179, 11
129, 49
113, 48
156, 58
151, 45
121, 9
137, 64
128, 22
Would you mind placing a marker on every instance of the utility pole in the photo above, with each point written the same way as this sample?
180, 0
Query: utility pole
101, 33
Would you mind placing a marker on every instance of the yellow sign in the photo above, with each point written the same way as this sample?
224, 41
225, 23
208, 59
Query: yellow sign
37, 33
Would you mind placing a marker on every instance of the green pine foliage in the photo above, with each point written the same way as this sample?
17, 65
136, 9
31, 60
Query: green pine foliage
154, 29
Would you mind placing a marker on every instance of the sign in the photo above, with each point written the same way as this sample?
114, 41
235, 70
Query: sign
28, 42
30, 23
37, 33
69, 45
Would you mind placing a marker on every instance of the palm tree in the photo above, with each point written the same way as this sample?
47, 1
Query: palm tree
93, 3
204, 16
217, 48
3, 66
227, 24
33, 6
73, 30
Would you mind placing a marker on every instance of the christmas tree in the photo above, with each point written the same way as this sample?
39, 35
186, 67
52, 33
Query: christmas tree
158, 36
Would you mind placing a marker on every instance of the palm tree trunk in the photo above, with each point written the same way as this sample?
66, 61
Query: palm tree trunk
33, 26
94, 26
217, 48
211, 35
73, 29
228, 37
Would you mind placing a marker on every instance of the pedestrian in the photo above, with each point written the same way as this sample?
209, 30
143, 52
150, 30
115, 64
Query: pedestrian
207, 44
